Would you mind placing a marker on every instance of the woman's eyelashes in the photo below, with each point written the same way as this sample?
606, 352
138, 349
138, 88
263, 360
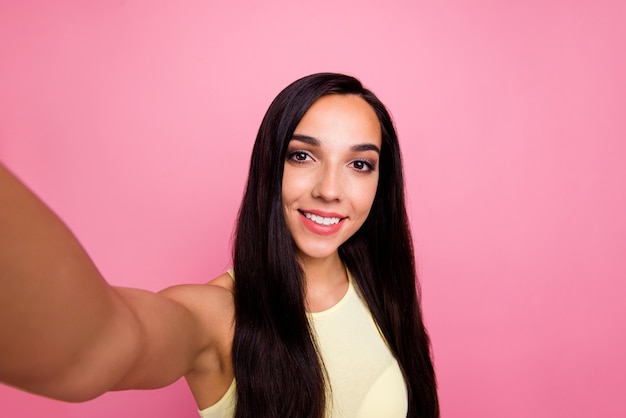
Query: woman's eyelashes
299, 156
363, 166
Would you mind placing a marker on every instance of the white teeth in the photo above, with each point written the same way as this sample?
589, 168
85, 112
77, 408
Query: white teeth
321, 220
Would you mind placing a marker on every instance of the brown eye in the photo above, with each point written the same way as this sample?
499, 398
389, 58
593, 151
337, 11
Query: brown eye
362, 165
298, 156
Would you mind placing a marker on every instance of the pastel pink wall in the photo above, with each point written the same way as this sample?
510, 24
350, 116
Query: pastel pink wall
134, 120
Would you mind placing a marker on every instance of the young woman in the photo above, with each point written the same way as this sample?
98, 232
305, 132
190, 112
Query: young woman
318, 317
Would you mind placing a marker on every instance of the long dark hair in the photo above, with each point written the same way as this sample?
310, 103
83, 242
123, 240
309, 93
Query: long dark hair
276, 363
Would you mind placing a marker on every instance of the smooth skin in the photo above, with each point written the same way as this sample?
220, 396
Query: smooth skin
66, 334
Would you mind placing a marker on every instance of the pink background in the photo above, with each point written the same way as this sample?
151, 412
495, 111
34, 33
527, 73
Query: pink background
134, 120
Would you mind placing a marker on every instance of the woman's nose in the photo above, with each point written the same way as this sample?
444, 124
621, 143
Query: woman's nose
329, 184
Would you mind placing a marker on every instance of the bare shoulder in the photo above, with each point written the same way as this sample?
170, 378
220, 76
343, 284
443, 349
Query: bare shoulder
225, 281
211, 303
219, 287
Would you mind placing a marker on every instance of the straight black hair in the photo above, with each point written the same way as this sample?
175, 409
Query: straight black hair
276, 363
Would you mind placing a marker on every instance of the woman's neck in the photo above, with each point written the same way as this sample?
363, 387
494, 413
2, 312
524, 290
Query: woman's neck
326, 282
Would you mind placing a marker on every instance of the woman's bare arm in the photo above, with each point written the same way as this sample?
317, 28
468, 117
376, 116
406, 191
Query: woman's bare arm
64, 332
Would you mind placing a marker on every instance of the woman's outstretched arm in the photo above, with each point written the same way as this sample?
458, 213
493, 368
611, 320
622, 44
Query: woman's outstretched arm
64, 332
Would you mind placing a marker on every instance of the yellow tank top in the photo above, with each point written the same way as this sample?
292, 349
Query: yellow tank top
365, 379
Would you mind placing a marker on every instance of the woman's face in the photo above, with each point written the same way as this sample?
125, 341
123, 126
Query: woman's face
331, 173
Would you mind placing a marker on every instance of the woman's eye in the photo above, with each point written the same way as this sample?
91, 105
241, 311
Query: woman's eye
299, 156
361, 165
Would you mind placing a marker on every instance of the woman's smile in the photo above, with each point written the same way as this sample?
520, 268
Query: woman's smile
322, 223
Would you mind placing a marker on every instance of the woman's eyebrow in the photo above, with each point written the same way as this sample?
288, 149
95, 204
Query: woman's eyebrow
316, 143
306, 139
365, 147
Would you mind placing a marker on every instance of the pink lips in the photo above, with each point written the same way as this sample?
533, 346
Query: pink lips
322, 229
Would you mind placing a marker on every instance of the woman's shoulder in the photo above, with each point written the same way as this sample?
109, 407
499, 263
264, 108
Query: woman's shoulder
211, 304
225, 281
221, 287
